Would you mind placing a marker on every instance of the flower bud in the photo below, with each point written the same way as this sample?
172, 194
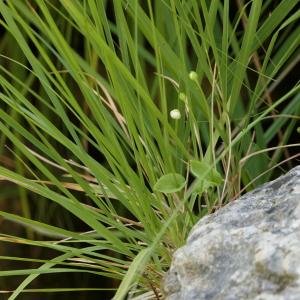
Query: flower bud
182, 97
193, 76
175, 114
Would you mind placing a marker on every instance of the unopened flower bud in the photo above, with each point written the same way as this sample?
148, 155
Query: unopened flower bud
182, 97
175, 114
193, 76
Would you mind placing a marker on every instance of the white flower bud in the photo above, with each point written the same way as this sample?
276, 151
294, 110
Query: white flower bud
175, 114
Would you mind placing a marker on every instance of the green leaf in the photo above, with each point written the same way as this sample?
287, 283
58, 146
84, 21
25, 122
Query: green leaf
133, 272
170, 183
204, 171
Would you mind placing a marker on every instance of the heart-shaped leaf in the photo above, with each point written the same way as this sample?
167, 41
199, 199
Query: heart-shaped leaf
170, 183
203, 170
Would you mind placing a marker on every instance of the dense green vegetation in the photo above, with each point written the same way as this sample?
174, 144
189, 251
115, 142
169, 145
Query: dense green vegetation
123, 122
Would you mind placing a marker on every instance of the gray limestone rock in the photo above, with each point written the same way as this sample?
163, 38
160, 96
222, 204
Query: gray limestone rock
250, 249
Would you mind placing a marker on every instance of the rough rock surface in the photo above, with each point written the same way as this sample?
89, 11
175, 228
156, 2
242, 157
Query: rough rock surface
250, 249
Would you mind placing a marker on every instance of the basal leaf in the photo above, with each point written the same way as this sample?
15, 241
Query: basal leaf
204, 171
170, 183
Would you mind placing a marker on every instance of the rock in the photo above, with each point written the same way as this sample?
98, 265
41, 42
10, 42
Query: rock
250, 249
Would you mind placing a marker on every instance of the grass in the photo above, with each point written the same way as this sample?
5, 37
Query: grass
107, 180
